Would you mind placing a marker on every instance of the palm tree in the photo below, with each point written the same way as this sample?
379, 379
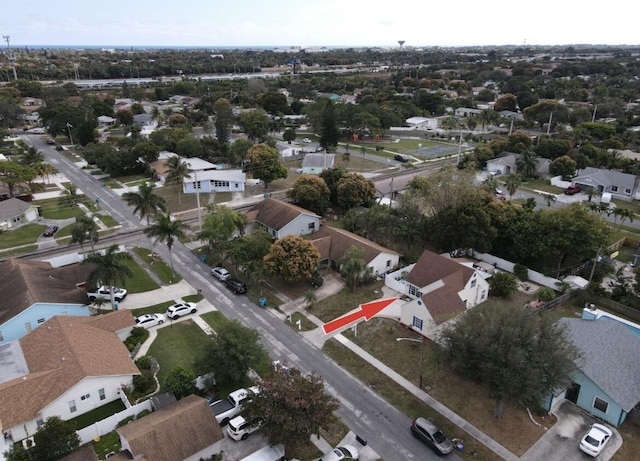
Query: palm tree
550, 198
109, 268
177, 171
527, 164
165, 230
512, 183
310, 298
145, 201
31, 156
84, 229
591, 192
353, 267
624, 214
70, 197
155, 114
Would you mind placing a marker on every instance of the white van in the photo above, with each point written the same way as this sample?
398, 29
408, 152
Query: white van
267, 454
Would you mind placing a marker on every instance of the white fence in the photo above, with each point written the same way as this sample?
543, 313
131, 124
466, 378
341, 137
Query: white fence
107, 425
535, 277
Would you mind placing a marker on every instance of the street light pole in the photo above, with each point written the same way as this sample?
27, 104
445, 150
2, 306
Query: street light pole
421, 341
69, 126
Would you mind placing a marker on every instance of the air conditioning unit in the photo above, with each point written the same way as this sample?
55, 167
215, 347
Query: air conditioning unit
28, 442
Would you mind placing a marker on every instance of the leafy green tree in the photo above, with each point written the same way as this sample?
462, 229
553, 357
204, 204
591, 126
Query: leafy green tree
231, 353
14, 175
180, 382
310, 192
249, 251
177, 170
238, 151
265, 164
255, 124
331, 177
85, 228
274, 103
166, 230
502, 284
352, 267
223, 121
329, 133
31, 156
516, 355
545, 294
289, 135
70, 197
310, 298
353, 189
527, 164
293, 258
109, 268
466, 225
18, 452
506, 102
563, 166
219, 227
148, 151
124, 117
291, 407
55, 439
145, 202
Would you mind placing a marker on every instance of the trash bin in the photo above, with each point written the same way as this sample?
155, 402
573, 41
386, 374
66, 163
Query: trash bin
203, 258
262, 302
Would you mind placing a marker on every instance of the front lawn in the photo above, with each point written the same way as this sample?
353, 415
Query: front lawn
141, 281
24, 235
346, 300
157, 265
50, 209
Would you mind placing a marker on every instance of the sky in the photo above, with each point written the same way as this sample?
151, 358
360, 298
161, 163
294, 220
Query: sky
311, 23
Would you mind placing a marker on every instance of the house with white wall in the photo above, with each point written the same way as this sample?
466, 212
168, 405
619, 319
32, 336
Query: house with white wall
439, 288
422, 123
280, 219
214, 181
65, 368
15, 212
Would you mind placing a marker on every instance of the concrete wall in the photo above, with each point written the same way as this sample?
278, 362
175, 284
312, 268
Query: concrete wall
535, 277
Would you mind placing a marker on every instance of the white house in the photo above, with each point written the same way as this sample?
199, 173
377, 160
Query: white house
215, 181
422, 123
15, 212
439, 288
280, 219
65, 368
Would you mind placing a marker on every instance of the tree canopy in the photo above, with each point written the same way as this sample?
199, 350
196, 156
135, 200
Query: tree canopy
293, 258
266, 164
310, 192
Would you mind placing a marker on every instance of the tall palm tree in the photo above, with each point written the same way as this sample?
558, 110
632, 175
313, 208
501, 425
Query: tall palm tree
109, 268
177, 171
70, 197
527, 164
352, 266
512, 183
84, 229
145, 202
165, 230
31, 155
155, 114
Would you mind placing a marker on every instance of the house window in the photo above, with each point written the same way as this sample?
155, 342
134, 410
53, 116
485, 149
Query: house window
627, 191
41, 320
473, 283
388, 263
415, 291
312, 225
275, 234
614, 188
39, 423
600, 404
72, 406
196, 185
417, 323
483, 293
85, 397
27, 327
101, 394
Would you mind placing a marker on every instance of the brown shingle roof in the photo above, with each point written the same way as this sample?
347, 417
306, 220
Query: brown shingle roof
444, 302
276, 214
25, 282
59, 354
333, 242
174, 432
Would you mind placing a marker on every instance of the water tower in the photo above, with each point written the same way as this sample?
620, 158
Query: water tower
401, 43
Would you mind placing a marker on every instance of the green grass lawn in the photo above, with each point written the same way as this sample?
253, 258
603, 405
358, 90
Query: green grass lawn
24, 235
108, 443
108, 220
157, 265
346, 300
98, 414
141, 281
18, 251
50, 209
178, 344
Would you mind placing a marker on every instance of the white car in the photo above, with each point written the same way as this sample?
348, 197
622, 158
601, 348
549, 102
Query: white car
240, 429
338, 453
149, 320
595, 439
180, 309
105, 293
306, 141
220, 273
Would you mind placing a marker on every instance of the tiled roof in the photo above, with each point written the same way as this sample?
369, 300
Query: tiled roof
59, 354
174, 432
276, 214
333, 243
25, 282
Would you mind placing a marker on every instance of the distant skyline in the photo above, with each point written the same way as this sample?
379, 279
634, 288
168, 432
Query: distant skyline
315, 23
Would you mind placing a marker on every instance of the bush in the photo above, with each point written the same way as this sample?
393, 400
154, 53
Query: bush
144, 363
144, 383
138, 336
521, 272
502, 284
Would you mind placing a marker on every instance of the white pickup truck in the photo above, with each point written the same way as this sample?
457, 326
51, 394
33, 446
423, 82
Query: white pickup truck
228, 408
103, 292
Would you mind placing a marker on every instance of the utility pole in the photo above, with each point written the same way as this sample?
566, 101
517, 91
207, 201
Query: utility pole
11, 60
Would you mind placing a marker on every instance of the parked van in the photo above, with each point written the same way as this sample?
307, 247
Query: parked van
267, 454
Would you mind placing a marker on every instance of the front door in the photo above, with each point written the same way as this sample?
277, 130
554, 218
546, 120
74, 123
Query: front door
572, 392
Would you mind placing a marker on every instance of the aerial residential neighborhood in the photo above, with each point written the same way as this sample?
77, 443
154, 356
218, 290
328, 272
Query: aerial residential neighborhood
391, 253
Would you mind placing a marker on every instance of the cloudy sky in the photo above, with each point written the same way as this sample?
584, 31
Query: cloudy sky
317, 22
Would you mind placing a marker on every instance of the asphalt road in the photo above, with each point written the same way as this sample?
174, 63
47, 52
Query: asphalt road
365, 413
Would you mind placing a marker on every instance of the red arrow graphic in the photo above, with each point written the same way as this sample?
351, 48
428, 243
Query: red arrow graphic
367, 311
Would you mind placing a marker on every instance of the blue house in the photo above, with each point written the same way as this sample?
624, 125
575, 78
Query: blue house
32, 292
606, 382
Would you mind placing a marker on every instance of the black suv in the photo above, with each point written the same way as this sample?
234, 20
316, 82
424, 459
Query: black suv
235, 285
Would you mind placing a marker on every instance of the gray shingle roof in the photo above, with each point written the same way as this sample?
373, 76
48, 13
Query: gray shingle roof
610, 357
596, 176
13, 207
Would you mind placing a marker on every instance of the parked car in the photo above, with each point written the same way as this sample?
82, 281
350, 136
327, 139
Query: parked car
401, 158
338, 453
180, 309
573, 189
240, 429
104, 292
595, 439
51, 142
59, 147
220, 273
306, 141
235, 285
49, 231
425, 430
227, 409
149, 320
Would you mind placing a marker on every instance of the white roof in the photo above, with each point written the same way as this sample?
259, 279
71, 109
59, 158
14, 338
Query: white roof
219, 175
197, 164
416, 120
576, 282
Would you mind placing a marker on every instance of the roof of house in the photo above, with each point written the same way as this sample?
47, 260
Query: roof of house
443, 302
610, 357
59, 354
174, 432
25, 282
332, 243
218, 175
276, 214
84, 453
318, 160
590, 176
13, 207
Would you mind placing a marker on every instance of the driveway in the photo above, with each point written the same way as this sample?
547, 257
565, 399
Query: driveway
560, 443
